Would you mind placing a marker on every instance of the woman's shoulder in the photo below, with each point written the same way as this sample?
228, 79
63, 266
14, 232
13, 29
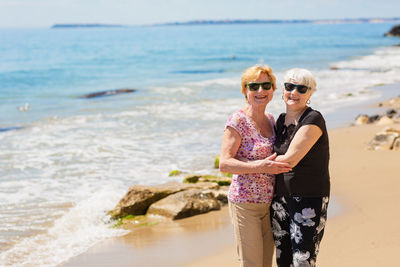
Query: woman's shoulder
312, 116
236, 119
312, 113
238, 115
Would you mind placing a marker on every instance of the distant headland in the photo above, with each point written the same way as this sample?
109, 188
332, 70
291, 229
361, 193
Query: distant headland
278, 21
234, 21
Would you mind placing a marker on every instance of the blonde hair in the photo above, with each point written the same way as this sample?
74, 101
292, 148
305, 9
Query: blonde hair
301, 76
253, 73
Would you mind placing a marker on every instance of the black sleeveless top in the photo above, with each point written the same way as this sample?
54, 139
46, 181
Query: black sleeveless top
310, 177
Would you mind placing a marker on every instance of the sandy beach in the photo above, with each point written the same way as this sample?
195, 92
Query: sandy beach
365, 188
361, 229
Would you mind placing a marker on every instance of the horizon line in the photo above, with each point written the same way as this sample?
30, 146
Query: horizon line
216, 22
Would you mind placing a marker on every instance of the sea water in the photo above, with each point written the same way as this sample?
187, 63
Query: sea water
70, 159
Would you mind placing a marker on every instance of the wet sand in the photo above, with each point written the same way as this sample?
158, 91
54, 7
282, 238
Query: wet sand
169, 243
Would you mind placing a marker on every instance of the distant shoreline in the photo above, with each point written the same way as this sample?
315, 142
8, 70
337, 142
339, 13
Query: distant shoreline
86, 25
280, 21
234, 21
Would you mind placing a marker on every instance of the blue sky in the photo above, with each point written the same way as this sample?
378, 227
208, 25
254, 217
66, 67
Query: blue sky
43, 13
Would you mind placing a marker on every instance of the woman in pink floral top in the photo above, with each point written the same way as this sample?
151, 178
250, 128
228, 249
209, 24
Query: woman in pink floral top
248, 137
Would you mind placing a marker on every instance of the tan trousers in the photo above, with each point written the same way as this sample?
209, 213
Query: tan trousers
252, 227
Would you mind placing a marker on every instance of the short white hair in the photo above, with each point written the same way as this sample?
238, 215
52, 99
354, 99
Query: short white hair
301, 76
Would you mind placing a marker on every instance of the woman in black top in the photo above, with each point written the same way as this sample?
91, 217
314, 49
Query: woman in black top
298, 209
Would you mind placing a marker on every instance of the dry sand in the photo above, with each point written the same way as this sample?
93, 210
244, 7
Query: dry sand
365, 189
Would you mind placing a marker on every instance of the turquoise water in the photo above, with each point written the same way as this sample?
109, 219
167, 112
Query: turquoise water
74, 158
49, 68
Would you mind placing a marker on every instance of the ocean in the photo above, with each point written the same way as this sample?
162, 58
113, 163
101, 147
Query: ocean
66, 160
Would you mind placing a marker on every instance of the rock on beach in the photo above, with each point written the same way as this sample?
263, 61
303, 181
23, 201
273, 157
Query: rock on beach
391, 116
388, 139
139, 198
185, 204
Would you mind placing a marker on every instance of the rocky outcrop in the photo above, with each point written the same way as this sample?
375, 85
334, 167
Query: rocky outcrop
108, 93
394, 31
388, 139
139, 197
391, 116
185, 204
385, 120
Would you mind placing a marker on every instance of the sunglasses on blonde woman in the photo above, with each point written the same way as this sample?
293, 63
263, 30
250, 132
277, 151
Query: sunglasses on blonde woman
254, 86
302, 89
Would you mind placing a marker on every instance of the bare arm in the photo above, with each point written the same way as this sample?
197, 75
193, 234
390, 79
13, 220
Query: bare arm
228, 163
302, 142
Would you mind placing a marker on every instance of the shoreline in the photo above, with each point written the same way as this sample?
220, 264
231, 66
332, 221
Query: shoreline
345, 117
207, 239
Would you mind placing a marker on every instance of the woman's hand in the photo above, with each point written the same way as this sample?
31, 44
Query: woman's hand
228, 161
270, 166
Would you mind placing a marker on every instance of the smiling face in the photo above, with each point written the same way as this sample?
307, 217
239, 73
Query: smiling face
295, 100
261, 96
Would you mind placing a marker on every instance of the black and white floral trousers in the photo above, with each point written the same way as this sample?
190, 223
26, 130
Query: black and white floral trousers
298, 226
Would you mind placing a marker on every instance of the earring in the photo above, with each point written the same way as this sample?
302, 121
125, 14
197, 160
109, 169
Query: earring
308, 102
282, 96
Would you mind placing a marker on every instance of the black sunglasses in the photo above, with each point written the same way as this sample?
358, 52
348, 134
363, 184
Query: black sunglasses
302, 89
254, 86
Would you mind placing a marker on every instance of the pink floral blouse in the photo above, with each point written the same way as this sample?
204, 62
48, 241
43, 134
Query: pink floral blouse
254, 187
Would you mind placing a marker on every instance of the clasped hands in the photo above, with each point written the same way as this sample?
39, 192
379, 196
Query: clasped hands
269, 165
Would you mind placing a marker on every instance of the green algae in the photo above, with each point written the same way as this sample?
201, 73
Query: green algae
174, 173
216, 162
